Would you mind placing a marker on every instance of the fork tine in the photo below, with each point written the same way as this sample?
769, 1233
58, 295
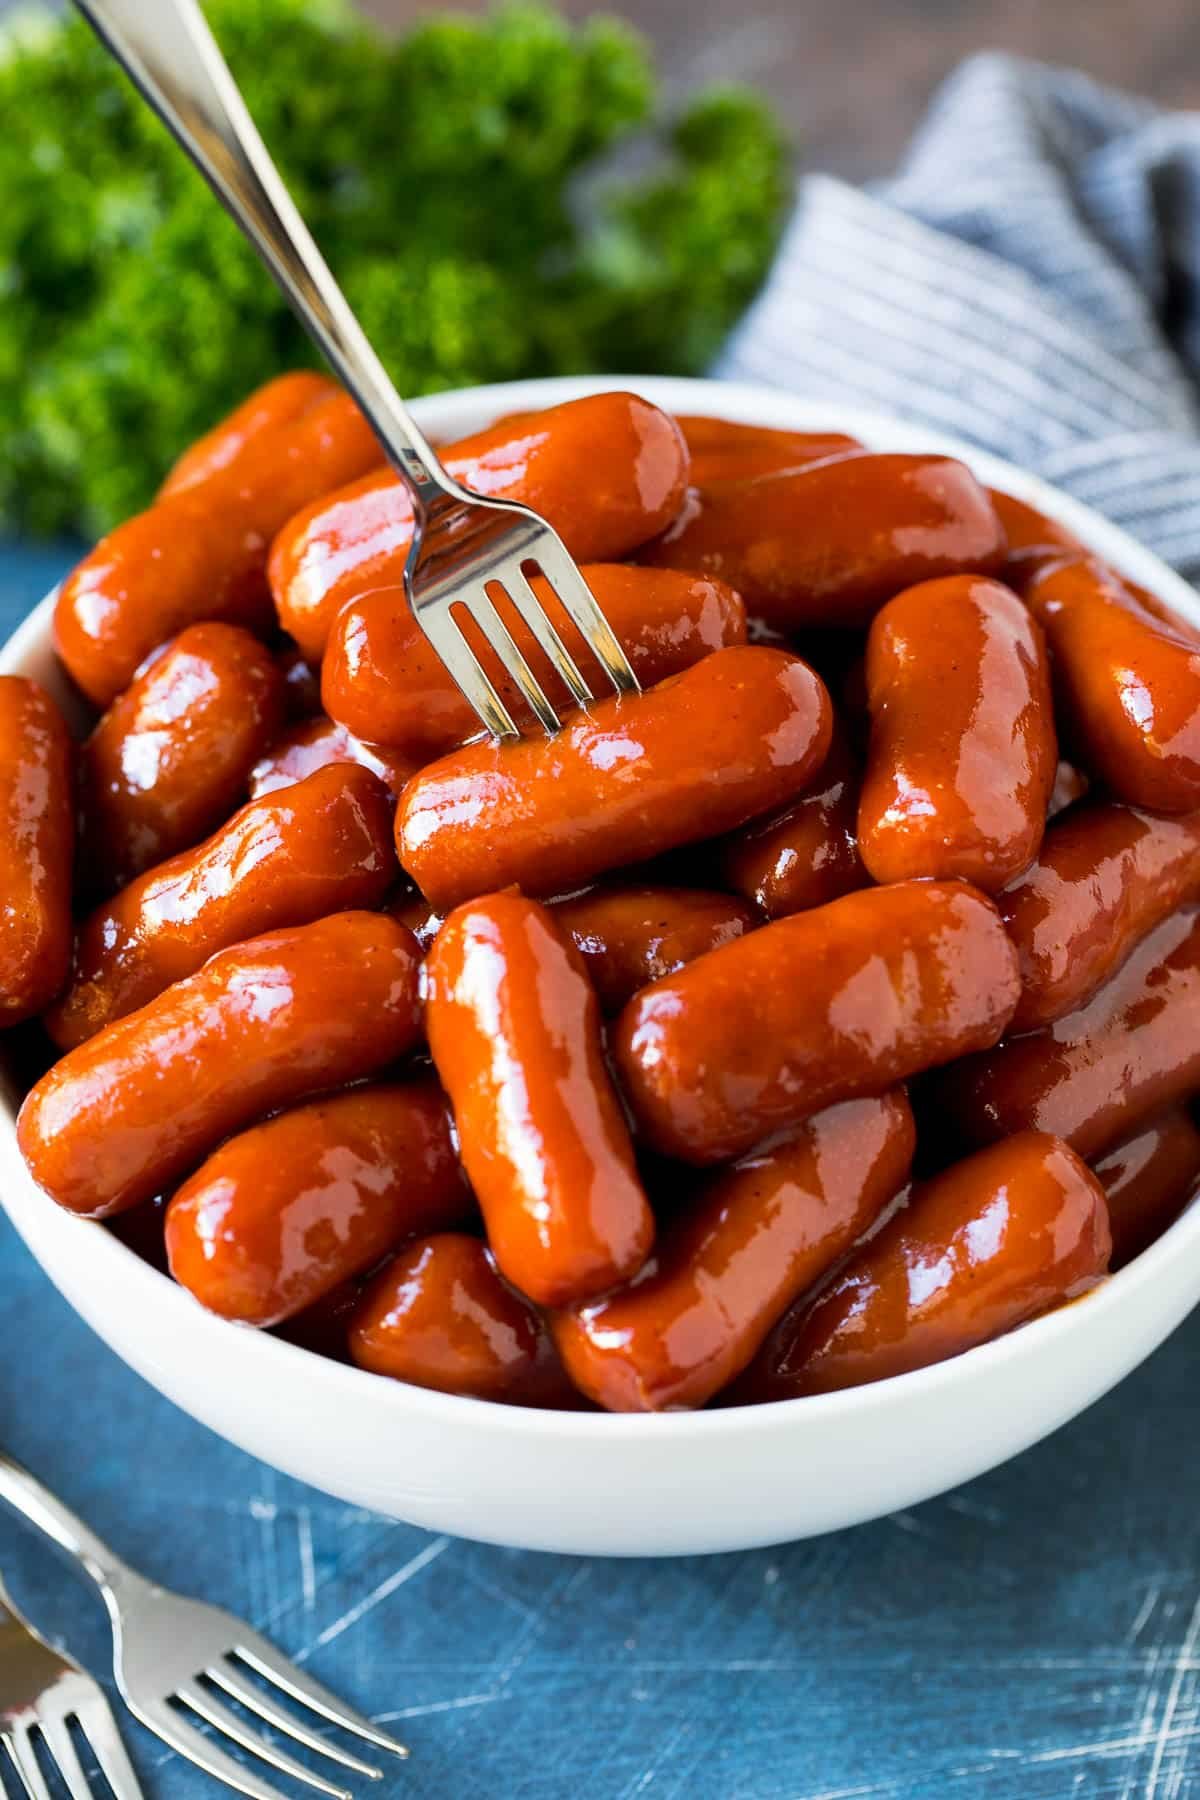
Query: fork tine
174, 1730
267, 1660
522, 596
219, 1716
482, 609
467, 671
579, 603
235, 1684
24, 1760
100, 1729
58, 1743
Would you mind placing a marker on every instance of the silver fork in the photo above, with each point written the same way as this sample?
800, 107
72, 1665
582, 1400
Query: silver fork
41, 1693
167, 1648
465, 548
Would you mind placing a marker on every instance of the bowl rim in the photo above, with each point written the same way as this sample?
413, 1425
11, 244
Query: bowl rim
461, 410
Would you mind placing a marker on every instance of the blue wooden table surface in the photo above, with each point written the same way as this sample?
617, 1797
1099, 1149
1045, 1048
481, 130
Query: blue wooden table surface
1034, 1635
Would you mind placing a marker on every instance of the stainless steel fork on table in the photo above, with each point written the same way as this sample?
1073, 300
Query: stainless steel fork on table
42, 1695
178, 1662
466, 550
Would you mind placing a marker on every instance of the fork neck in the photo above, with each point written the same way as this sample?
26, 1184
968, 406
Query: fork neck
25, 1495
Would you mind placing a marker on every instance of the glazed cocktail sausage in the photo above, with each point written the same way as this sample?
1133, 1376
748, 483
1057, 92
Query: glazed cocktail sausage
1148, 1179
201, 553
608, 472
631, 936
1129, 684
1105, 877
171, 757
263, 1025
278, 402
1091, 1077
844, 1000
323, 846
735, 735
283, 1213
441, 1317
746, 462
514, 1029
383, 680
828, 545
758, 1236
320, 743
963, 751
990, 1243
806, 855
37, 830
702, 434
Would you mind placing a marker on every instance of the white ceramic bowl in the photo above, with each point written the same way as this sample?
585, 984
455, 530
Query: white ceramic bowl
618, 1485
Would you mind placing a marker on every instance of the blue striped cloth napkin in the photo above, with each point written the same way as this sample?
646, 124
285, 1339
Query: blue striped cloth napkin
1030, 280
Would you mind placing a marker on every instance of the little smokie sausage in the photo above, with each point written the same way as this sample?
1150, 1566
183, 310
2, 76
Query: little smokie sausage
1148, 1179
441, 1317
278, 402
1133, 1049
723, 451
382, 678
808, 854
735, 735
320, 743
171, 757
630, 936
1105, 877
37, 829
847, 999
263, 1025
285, 1212
963, 753
1128, 683
514, 1030
760, 1235
702, 434
827, 545
980, 1249
201, 553
608, 472
323, 846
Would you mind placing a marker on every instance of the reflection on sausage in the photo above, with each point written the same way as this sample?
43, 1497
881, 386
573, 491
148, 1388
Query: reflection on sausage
285, 1212
1093, 1075
963, 751
828, 545
636, 463
321, 847
844, 1000
514, 1029
383, 680
756, 1237
261, 1026
37, 829
733, 736
990, 1243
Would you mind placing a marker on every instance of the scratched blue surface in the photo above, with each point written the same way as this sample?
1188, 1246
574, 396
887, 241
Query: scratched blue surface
1032, 1636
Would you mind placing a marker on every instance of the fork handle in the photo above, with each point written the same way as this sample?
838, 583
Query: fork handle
168, 51
23, 1493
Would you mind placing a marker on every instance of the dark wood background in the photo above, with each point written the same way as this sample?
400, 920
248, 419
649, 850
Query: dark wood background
851, 76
